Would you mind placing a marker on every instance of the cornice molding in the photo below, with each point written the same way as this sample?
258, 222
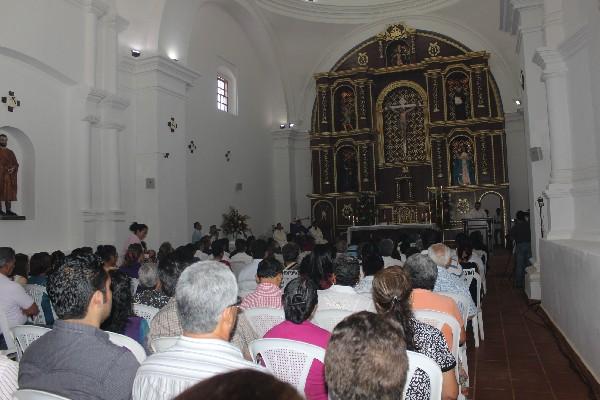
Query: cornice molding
168, 67
96, 95
550, 60
576, 42
352, 14
116, 102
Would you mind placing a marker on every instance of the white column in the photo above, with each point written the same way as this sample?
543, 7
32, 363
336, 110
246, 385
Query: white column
283, 175
95, 10
111, 164
85, 172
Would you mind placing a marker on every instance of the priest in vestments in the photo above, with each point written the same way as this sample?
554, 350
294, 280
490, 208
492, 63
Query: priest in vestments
8, 176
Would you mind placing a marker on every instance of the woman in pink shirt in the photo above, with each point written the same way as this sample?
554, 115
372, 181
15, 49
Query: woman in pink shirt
138, 233
299, 301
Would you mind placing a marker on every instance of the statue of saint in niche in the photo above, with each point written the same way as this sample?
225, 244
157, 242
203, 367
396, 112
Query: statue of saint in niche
8, 177
463, 170
458, 99
347, 110
400, 55
347, 170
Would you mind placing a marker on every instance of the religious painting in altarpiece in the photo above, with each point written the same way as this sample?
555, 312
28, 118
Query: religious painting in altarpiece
413, 120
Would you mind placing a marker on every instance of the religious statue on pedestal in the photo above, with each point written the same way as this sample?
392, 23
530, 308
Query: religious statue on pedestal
347, 170
458, 101
8, 176
403, 110
463, 171
347, 110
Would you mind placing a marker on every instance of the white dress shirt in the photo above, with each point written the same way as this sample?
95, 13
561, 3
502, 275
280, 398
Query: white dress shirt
390, 261
14, 299
247, 278
280, 237
165, 375
201, 255
340, 297
239, 261
317, 234
9, 371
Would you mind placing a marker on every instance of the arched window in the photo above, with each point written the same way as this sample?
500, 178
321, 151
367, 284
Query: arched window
226, 90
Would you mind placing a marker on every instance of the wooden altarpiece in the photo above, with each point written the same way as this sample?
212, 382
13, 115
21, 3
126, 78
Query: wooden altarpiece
407, 127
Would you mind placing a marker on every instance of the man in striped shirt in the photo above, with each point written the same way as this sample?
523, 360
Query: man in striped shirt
267, 294
8, 377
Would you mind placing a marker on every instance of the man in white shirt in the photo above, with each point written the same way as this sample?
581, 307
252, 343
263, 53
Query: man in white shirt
341, 295
203, 246
17, 304
247, 276
240, 259
206, 297
476, 212
317, 234
386, 248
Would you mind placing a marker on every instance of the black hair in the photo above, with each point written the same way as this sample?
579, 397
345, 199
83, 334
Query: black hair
106, 252
57, 258
7, 254
71, 286
21, 265
317, 265
39, 264
299, 299
164, 250
134, 252
347, 271
258, 248
269, 268
169, 269
290, 251
122, 303
135, 227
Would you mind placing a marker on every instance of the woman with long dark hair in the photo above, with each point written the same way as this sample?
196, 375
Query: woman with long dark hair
121, 319
392, 291
133, 260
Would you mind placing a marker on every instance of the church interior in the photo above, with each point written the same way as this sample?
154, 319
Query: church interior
362, 117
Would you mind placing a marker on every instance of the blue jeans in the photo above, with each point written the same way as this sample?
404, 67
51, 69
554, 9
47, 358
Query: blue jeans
522, 256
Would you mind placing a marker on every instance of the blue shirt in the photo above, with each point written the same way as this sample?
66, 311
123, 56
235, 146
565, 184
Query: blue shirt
447, 282
196, 236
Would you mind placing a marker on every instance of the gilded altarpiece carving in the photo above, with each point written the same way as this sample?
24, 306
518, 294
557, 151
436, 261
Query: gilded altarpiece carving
412, 119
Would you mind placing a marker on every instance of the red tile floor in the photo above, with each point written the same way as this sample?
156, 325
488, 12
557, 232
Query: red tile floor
519, 358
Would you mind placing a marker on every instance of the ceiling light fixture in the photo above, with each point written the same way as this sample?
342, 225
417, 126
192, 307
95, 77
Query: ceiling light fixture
135, 53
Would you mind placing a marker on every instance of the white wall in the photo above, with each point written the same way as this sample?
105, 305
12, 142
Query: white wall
517, 157
217, 39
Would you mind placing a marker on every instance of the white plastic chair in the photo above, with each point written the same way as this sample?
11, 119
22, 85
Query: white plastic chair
30, 394
438, 320
328, 319
125, 341
477, 321
37, 292
289, 360
25, 335
158, 345
263, 319
462, 303
144, 311
11, 347
427, 365
288, 276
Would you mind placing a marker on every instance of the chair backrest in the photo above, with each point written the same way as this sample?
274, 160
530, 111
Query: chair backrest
289, 360
144, 311
438, 320
134, 284
328, 319
37, 292
427, 365
263, 319
160, 344
30, 394
25, 335
11, 347
461, 301
470, 274
288, 276
125, 341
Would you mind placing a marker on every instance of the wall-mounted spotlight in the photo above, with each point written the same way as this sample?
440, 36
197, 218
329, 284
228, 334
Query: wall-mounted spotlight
518, 102
291, 125
135, 53
281, 126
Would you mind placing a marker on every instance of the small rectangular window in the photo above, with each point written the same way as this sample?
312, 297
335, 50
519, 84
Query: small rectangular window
222, 95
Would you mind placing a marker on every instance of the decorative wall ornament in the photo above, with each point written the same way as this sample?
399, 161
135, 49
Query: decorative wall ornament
364, 164
395, 32
434, 49
192, 147
440, 174
323, 105
463, 206
436, 105
326, 167
11, 101
484, 161
380, 49
362, 102
228, 155
479, 86
363, 59
172, 124
347, 211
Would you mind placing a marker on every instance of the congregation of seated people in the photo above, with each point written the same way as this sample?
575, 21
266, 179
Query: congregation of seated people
349, 315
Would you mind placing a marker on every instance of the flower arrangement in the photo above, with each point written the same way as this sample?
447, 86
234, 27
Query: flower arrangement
235, 223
